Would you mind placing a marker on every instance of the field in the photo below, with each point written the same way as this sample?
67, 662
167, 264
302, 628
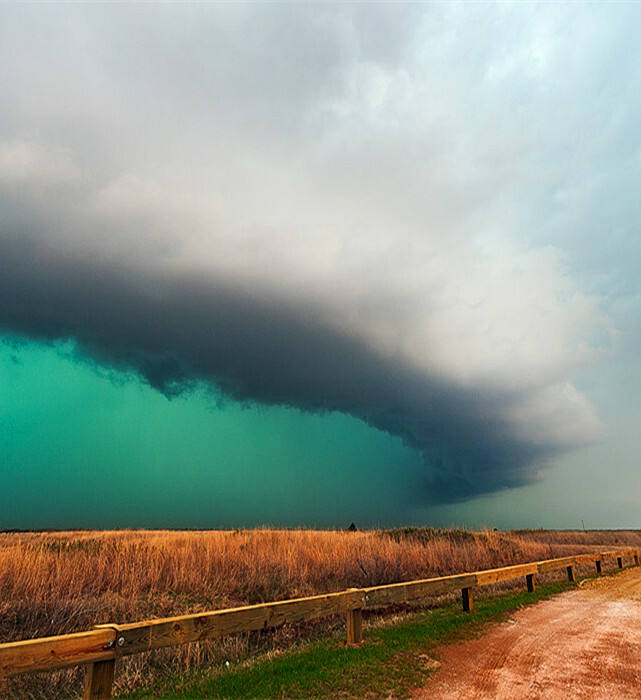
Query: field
59, 582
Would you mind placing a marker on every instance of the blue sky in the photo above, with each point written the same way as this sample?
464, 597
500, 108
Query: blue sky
304, 264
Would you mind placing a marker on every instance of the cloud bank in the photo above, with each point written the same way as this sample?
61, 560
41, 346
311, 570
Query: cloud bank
274, 201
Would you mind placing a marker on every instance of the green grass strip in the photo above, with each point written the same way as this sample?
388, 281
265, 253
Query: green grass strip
390, 661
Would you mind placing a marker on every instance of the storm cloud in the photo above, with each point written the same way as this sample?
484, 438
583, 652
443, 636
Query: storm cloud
301, 206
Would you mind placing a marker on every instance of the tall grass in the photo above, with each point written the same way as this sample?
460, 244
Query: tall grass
59, 582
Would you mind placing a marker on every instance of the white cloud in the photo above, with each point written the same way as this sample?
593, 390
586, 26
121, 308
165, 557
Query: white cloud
398, 195
33, 163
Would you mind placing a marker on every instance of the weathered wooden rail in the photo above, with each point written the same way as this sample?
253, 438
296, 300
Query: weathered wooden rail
100, 648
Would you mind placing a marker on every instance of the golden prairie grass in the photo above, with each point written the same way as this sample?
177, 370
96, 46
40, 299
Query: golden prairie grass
59, 582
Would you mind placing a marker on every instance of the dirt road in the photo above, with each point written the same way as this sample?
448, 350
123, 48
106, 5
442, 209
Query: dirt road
581, 644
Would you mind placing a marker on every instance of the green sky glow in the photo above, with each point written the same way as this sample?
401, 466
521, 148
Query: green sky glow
83, 447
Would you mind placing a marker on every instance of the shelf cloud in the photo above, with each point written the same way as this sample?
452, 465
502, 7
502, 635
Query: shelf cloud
332, 229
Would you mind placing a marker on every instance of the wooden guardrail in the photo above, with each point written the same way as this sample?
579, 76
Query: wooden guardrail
101, 647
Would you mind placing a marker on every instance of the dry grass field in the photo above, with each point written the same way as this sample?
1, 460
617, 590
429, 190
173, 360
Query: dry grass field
59, 582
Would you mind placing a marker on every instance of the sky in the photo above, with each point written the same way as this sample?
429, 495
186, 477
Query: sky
302, 264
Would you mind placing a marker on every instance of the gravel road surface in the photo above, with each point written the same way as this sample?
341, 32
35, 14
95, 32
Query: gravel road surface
582, 644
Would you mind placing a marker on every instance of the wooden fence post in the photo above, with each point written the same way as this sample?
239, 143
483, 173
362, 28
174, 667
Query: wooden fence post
355, 623
100, 678
354, 626
468, 600
599, 567
571, 574
531, 586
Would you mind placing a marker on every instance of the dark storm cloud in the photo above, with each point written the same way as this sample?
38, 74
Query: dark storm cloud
343, 207
176, 330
